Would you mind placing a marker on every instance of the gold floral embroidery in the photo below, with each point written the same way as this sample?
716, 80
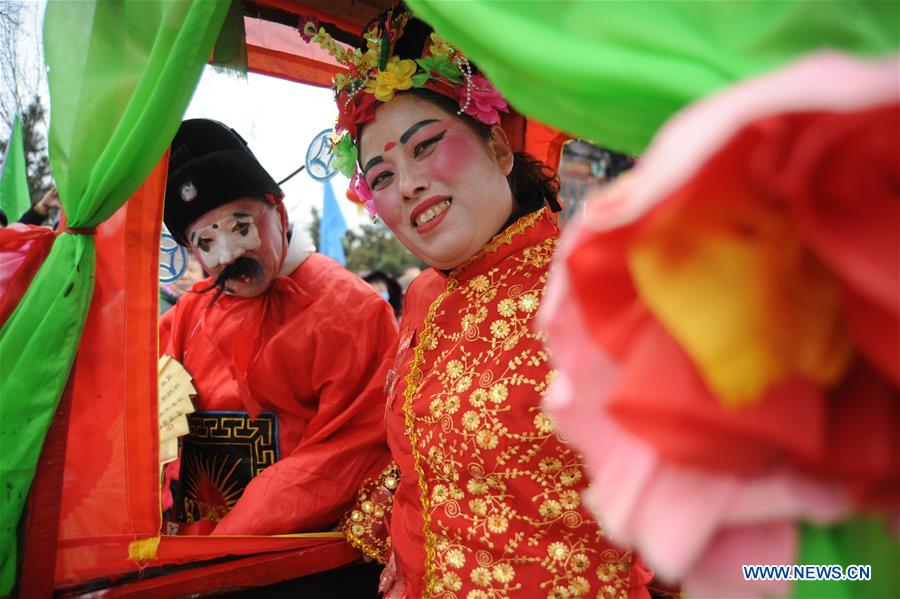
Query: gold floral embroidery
499, 491
363, 525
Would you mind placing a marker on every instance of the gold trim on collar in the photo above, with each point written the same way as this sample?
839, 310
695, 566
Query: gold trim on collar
505, 237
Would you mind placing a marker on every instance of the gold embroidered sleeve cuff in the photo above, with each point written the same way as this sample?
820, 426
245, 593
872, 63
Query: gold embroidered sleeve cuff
366, 525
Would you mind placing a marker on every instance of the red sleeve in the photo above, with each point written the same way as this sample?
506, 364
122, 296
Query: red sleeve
367, 525
344, 442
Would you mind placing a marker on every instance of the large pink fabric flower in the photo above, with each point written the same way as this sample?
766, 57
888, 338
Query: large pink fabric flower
485, 103
795, 174
690, 525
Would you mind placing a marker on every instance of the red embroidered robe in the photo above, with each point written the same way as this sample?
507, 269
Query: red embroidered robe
488, 500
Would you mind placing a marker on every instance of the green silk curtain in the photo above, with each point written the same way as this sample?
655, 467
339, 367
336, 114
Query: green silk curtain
121, 75
613, 71
14, 197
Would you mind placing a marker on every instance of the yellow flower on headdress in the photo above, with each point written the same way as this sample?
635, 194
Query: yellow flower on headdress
439, 47
397, 75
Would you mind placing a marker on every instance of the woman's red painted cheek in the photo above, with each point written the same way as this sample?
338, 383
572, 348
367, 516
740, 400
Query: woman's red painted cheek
450, 156
383, 205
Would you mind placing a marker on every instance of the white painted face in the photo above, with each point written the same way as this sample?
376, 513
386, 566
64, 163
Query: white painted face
224, 240
248, 228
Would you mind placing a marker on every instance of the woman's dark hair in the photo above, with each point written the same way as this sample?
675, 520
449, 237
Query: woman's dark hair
532, 182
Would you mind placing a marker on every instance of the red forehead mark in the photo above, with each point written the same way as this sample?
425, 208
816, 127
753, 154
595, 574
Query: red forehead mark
389, 146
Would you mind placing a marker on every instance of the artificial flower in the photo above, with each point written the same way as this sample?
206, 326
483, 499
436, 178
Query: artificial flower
722, 323
360, 193
395, 76
729, 222
309, 29
485, 102
770, 309
439, 46
672, 513
441, 66
345, 154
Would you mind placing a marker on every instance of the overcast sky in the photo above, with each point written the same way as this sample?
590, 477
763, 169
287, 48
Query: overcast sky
278, 119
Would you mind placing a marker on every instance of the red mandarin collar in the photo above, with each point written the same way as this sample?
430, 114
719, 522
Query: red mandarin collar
525, 232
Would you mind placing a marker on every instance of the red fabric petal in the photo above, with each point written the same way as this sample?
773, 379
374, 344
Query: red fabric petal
838, 174
602, 284
661, 398
863, 446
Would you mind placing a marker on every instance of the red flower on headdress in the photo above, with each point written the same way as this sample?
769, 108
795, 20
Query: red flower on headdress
309, 27
359, 110
485, 102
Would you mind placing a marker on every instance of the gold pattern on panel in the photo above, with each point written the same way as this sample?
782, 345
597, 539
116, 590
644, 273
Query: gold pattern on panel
218, 474
258, 434
499, 491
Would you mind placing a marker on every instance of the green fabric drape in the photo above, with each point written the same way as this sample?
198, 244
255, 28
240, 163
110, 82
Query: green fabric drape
613, 71
14, 197
859, 541
121, 75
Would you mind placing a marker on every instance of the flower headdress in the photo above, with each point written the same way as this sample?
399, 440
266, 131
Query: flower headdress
375, 74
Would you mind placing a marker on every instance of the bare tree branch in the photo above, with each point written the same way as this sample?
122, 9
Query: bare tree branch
21, 75
21, 64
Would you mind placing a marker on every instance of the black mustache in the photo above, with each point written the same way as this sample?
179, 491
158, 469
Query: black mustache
242, 267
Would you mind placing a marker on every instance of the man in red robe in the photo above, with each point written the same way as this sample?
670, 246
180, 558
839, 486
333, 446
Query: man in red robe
288, 352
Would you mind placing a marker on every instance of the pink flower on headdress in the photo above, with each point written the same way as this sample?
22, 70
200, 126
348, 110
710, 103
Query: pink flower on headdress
485, 102
360, 193
359, 110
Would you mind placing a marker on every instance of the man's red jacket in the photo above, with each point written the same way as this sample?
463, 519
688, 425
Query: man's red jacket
314, 350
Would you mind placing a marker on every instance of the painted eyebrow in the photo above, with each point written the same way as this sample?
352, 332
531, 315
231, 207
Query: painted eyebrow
238, 214
371, 163
403, 139
412, 130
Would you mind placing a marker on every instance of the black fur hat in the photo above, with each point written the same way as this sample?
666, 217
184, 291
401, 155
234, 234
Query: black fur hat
210, 165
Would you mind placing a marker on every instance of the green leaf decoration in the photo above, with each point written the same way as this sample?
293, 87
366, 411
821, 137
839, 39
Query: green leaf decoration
419, 79
442, 66
385, 49
345, 156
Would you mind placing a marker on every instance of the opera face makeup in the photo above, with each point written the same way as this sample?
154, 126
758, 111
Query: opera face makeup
438, 186
242, 239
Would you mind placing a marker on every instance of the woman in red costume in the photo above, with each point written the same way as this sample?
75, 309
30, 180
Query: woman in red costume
486, 497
